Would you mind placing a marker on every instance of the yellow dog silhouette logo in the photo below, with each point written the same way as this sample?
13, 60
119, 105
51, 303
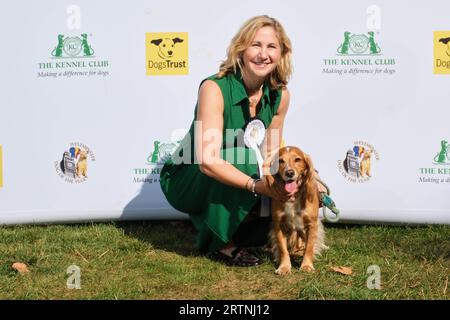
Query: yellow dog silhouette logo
442, 52
167, 53
166, 47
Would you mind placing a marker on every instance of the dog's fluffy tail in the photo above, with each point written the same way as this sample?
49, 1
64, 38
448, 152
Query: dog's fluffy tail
320, 240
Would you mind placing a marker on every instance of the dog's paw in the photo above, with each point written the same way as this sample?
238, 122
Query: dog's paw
307, 268
283, 270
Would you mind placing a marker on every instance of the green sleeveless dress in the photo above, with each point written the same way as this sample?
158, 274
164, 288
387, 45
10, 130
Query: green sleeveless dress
217, 210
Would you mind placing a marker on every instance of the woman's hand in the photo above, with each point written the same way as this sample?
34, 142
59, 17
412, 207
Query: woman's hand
270, 188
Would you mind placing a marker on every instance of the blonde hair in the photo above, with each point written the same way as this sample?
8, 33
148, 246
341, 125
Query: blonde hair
242, 40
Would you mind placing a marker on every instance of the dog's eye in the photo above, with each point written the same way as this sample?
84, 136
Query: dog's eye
281, 161
298, 160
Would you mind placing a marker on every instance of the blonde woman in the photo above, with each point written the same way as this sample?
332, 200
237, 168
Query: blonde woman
213, 176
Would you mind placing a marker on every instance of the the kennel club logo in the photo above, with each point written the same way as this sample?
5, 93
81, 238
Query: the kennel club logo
357, 166
72, 47
154, 162
359, 54
74, 164
442, 52
359, 44
443, 156
72, 56
439, 171
161, 152
167, 53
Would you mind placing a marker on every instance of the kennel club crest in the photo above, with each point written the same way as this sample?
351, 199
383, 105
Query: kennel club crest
74, 164
161, 152
155, 160
357, 166
439, 170
71, 47
359, 54
359, 44
443, 156
166, 53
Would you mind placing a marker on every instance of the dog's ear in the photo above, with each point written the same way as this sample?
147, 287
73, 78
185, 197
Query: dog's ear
309, 169
156, 42
176, 40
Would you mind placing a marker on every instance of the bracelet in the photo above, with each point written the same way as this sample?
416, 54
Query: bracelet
246, 184
254, 185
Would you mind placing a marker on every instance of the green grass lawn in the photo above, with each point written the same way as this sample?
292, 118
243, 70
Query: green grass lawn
158, 260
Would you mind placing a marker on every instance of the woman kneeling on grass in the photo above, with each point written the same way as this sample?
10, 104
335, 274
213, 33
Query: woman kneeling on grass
219, 191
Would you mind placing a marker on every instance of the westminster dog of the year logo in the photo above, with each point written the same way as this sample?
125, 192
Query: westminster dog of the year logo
74, 164
357, 166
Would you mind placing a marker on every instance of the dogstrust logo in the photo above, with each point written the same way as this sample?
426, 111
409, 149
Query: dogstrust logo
439, 172
161, 152
357, 165
73, 167
442, 52
73, 56
166, 53
359, 54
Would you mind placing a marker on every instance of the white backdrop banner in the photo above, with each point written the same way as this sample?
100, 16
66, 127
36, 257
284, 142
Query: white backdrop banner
95, 96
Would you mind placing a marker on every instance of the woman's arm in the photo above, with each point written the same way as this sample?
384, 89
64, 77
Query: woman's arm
271, 146
274, 133
208, 138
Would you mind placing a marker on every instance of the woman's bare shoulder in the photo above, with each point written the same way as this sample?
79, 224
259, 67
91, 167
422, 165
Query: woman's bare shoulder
285, 99
210, 97
209, 86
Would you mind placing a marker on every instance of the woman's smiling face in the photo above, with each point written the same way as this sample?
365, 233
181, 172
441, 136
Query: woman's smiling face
263, 54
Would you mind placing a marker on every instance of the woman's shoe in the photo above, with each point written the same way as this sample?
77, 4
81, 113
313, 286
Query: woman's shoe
239, 257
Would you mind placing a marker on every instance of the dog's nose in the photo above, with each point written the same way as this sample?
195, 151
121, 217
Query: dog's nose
290, 173
170, 52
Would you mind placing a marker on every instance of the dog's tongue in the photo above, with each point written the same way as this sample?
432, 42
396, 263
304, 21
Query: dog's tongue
291, 187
